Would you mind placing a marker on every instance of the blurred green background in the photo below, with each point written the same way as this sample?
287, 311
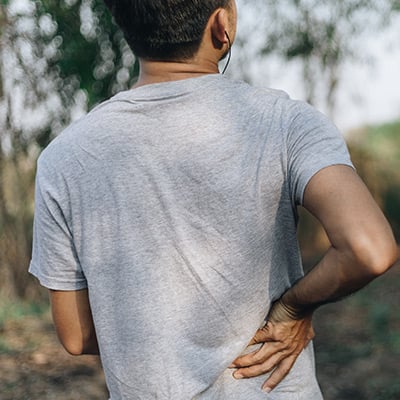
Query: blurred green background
60, 58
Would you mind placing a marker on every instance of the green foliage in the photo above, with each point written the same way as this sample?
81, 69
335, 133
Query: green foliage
389, 392
379, 317
93, 54
57, 58
382, 144
322, 35
382, 317
61, 56
17, 309
5, 348
344, 354
14, 311
391, 206
385, 140
13, 315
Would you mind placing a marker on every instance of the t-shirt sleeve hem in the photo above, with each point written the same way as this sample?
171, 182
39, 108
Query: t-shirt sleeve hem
57, 284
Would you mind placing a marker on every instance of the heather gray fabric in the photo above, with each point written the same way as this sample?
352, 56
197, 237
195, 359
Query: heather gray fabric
175, 204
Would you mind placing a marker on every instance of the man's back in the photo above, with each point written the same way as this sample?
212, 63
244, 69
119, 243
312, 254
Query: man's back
180, 201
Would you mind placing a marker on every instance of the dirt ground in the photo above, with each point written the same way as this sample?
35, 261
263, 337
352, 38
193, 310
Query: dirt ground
34, 366
357, 345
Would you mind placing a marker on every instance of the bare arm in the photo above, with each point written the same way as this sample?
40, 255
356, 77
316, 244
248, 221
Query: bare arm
362, 248
73, 320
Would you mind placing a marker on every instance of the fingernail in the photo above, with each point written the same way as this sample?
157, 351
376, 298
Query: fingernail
266, 389
232, 366
237, 375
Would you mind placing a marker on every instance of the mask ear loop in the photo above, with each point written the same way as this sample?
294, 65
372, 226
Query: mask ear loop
229, 52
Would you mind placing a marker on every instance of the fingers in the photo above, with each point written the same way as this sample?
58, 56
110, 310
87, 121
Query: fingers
282, 342
272, 351
280, 362
280, 372
256, 369
278, 356
268, 357
259, 356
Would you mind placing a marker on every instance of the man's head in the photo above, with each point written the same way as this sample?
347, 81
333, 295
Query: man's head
165, 30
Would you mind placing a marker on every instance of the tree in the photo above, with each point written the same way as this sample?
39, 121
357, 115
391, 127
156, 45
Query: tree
91, 60
322, 34
57, 59
60, 58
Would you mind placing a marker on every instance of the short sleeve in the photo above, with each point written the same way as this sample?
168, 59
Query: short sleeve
54, 260
313, 143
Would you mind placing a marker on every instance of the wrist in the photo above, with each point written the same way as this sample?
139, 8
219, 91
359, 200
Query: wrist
282, 311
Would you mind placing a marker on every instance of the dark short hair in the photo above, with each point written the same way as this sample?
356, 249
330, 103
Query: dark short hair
164, 29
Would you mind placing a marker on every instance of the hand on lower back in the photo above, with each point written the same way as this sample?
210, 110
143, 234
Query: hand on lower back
283, 339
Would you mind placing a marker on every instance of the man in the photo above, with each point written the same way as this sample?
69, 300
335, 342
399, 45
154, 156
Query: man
165, 223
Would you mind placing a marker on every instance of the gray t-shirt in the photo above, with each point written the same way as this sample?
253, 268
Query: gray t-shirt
175, 205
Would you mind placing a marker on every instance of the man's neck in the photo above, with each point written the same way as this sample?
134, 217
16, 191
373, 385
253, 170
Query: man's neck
163, 71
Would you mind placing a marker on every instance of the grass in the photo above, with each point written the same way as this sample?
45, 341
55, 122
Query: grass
384, 142
380, 301
14, 310
358, 343
389, 130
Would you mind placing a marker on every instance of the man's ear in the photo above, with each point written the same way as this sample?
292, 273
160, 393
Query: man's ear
219, 26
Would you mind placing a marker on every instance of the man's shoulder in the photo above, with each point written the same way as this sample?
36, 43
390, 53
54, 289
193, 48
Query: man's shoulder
60, 154
77, 132
62, 144
256, 91
272, 101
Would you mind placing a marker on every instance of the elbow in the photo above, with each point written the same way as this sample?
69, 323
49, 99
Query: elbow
80, 346
376, 255
74, 351
73, 347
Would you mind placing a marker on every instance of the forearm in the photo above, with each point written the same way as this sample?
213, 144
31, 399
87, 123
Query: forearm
73, 321
77, 342
363, 246
337, 275
83, 343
